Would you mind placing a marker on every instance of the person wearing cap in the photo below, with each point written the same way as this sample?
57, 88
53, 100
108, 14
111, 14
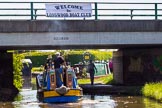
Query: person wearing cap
48, 63
58, 62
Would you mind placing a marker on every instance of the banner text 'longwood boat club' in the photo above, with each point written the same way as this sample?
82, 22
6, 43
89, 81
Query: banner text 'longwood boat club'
68, 10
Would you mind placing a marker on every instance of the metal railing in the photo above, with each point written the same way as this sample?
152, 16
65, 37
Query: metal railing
100, 11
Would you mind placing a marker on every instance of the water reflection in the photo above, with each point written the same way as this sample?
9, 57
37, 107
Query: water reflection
6, 105
129, 101
151, 103
135, 102
28, 99
91, 101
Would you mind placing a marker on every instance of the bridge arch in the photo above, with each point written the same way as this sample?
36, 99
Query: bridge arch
134, 39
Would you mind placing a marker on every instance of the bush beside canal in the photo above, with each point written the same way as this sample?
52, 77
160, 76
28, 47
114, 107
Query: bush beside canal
153, 90
17, 66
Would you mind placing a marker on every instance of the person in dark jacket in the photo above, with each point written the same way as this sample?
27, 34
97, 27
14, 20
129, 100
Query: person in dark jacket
91, 71
48, 63
58, 62
111, 65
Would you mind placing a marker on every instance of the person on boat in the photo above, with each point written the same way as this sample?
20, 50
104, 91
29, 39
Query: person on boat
59, 62
48, 63
47, 66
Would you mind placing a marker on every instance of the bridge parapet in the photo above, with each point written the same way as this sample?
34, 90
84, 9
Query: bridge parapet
80, 34
15, 26
100, 11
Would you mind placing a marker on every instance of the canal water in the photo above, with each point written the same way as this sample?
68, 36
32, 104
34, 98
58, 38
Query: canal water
27, 99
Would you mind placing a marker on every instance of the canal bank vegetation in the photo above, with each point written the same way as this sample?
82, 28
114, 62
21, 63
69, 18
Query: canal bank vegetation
153, 90
73, 56
38, 69
107, 79
17, 67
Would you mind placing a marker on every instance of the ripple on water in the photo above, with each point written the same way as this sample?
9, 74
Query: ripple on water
29, 100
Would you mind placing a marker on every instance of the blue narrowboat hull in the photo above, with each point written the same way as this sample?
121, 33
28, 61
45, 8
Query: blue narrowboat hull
61, 99
48, 92
73, 95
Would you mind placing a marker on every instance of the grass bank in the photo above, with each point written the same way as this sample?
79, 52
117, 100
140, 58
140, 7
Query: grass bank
108, 79
153, 90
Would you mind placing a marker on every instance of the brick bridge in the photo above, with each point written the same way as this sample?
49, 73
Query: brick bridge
139, 42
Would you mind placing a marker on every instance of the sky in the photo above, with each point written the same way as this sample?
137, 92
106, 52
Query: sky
140, 1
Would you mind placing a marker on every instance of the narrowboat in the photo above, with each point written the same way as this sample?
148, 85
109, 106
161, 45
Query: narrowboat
49, 92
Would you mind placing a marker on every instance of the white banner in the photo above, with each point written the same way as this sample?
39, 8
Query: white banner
68, 10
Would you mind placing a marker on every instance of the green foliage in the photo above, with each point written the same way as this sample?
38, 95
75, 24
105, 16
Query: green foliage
77, 56
153, 90
109, 79
17, 65
37, 60
38, 69
37, 53
101, 55
73, 56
